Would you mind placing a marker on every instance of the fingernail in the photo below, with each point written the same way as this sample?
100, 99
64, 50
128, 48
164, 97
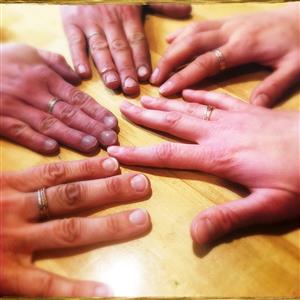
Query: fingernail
130, 82
110, 77
103, 290
113, 150
126, 105
108, 137
50, 144
204, 230
110, 164
148, 100
142, 71
89, 141
166, 87
154, 75
110, 121
138, 217
261, 99
139, 183
81, 69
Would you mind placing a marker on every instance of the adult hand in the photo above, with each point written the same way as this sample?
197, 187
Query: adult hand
115, 37
30, 79
268, 38
250, 145
71, 187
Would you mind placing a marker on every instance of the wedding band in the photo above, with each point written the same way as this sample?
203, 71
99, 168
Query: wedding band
208, 112
42, 203
51, 104
92, 34
220, 58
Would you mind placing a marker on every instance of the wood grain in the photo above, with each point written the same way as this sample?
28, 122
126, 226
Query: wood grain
256, 262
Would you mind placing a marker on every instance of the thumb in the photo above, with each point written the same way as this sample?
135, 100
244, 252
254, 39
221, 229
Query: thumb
58, 64
260, 207
178, 11
270, 90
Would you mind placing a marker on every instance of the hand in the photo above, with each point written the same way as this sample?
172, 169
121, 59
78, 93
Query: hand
30, 79
116, 39
250, 145
267, 38
71, 187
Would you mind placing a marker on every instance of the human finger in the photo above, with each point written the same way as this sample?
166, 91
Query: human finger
20, 133
261, 207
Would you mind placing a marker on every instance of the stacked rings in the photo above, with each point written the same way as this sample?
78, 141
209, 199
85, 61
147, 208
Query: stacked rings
42, 203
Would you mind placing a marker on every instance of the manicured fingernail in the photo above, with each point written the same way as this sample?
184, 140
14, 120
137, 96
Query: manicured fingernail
108, 137
130, 82
142, 71
110, 121
204, 231
154, 75
81, 69
113, 150
166, 87
261, 99
110, 164
110, 77
103, 290
139, 183
89, 141
138, 217
148, 100
50, 144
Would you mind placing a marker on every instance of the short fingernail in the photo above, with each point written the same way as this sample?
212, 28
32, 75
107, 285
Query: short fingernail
110, 78
143, 71
50, 145
108, 137
261, 99
203, 230
126, 105
139, 183
110, 121
110, 164
81, 69
138, 217
154, 75
113, 150
166, 87
89, 141
148, 100
103, 290
130, 82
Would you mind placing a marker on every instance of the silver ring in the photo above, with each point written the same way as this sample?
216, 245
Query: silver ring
42, 203
51, 104
92, 34
220, 58
208, 112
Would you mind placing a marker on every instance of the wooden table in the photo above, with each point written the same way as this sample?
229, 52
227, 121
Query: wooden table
255, 262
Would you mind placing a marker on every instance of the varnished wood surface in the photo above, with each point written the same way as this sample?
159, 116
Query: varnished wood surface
258, 262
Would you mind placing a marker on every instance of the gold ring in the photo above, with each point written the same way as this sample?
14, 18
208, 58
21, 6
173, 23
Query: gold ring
51, 104
42, 203
208, 112
220, 58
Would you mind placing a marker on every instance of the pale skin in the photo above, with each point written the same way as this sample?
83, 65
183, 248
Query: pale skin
115, 38
70, 187
30, 79
269, 38
241, 142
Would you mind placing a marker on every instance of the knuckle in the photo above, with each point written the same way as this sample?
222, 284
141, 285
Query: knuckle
179, 77
68, 113
76, 39
137, 38
113, 185
172, 118
71, 194
112, 225
42, 71
53, 173
17, 130
79, 98
97, 44
68, 230
47, 123
90, 126
47, 285
119, 45
164, 152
